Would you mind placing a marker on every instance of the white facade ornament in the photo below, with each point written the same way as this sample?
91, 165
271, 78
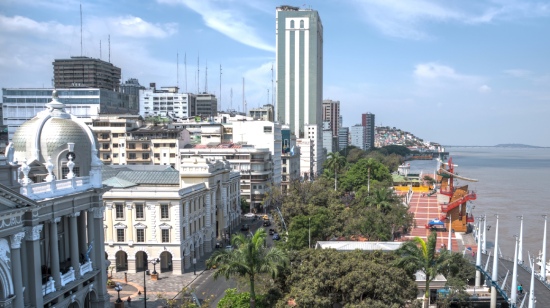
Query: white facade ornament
90, 287
70, 165
98, 211
75, 214
33, 233
4, 250
16, 239
49, 166
55, 220
25, 169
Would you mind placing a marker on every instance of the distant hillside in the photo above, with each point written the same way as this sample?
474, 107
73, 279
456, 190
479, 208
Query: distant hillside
515, 145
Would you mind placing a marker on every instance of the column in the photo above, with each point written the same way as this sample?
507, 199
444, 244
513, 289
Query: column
25, 273
54, 252
208, 209
189, 222
91, 236
99, 254
81, 220
187, 260
17, 273
129, 218
110, 228
32, 236
201, 250
73, 237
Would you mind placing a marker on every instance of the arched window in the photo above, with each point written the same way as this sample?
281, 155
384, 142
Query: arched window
301, 23
292, 23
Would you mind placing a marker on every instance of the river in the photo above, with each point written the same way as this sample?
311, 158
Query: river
512, 182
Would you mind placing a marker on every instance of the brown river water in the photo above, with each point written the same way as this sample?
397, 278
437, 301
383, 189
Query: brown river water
512, 182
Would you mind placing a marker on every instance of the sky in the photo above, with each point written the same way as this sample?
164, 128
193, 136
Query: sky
455, 72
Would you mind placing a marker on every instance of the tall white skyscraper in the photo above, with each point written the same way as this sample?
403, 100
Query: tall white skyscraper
299, 48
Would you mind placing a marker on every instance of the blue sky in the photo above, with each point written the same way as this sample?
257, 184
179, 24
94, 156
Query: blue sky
455, 72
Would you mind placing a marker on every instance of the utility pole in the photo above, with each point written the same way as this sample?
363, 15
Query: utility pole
272, 89
99, 49
109, 48
185, 63
243, 98
221, 87
543, 268
520, 251
484, 244
449, 243
478, 256
494, 276
513, 290
206, 79
231, 99
198, 75
310, 232
178, 70
81, 30
532, 298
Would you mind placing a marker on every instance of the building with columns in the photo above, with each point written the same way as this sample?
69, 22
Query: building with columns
51, 239
172, 215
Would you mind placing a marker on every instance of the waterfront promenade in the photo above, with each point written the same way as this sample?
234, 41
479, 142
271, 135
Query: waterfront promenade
426, 209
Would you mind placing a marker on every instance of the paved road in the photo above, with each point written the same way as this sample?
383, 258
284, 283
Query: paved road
542, 294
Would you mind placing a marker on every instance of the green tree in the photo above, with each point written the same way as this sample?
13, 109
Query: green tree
232, 299
335, 161
358, 175
299, 230
383, 199
421, 255
324, 277
397, 149
251, 257
245, 206
354, 155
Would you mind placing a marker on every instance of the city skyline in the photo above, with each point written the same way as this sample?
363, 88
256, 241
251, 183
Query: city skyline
394, 60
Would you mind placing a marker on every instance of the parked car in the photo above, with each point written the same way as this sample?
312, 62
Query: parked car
245, 228
265, 217
271, 231
266, 223
228, 248
276, 237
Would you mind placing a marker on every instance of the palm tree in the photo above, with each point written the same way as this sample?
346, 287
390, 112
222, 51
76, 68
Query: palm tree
382, 198
249, 259
419, 255
334, 160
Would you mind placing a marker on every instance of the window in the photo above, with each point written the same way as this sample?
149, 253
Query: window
139, 211
145, 155
131, 146
141, 235
115, 135
120, 235
172, 155
268, 129
104, 136
131, 155
164, 211
284, 160
105, 146
115, 155
122, 145
157, 155
164, 154
122, 154
172, 145
119, 211
115, 145
292, 23
157, 145
145, 146
301, 23
284, 177
284, 169
165, 235
105, 156
65, 171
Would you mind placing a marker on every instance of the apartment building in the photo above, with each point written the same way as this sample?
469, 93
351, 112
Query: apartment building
128, 140
367, 120
307, 156
331, 114
343, 137
254, 164
175, 216
265, 113
290, 158
166, 102
207, 105
358, 136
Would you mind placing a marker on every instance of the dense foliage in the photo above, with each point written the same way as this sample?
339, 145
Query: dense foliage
232, 299
357, 176
321, 278
396, 149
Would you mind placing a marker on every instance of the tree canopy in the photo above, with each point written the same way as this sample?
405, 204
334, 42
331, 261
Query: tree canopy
357, 176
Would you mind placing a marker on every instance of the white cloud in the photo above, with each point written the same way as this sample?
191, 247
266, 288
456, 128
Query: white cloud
407, 19
19, 25
227, 21
136, 27
436, 74
484, 89
518, 73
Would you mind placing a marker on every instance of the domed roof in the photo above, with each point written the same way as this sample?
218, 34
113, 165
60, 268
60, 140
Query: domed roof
49, 133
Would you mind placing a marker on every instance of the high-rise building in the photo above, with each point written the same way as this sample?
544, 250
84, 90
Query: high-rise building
367, 120
358, 136
264, 113
299, 56
331, 114
207, 105
132, 87
85, 72
343, 134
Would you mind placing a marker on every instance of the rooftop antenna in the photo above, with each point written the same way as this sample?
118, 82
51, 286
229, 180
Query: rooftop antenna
272, 92
221, 87
198, 75
231, 101
178, 71
109, 48
206, 79
267, 98
81, 29
99, 49
243, 95
185, 62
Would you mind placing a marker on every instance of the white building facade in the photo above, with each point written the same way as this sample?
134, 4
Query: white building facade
358, 136
166, 102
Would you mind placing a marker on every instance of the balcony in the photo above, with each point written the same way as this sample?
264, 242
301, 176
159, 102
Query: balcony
68, 277
140, 138
105, 150
257, 160
138, 150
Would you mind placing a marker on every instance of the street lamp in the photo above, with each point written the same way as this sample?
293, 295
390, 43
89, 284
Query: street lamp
118, 288
194, 266
154, 262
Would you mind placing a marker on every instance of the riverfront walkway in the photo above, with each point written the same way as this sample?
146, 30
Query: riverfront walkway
426, 209
542, 294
